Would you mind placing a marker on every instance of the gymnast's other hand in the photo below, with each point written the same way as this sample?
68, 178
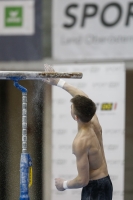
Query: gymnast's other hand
59, 184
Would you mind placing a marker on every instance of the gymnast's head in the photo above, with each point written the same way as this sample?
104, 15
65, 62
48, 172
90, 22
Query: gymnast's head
82, 108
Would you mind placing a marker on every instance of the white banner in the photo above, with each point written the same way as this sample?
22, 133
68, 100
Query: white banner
98, 29
105, 85
17, 17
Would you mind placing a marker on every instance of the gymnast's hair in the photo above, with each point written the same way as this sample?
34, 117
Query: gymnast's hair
84, 108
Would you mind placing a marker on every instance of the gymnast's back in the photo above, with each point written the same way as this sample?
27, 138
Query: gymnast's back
91, 137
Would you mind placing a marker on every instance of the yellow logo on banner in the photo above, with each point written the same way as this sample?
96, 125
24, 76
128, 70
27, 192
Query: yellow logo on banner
107, 106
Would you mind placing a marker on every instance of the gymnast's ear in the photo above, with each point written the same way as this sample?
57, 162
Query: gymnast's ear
75, 117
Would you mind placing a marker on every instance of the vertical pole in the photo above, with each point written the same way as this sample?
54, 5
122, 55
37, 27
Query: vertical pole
24, 122
24, 166
25, 161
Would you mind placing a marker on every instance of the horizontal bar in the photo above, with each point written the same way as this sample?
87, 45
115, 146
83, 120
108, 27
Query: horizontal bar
32, 75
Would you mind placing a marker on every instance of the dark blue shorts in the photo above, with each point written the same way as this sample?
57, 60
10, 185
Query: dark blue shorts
100, 189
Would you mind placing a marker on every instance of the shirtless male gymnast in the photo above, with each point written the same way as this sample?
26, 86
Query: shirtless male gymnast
87, 146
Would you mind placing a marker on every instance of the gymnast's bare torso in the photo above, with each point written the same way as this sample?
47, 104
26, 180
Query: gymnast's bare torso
89, 138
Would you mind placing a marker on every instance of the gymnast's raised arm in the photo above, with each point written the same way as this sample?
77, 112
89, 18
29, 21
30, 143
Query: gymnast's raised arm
61, 83
72, 90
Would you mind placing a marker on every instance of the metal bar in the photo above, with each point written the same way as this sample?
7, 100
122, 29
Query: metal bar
30, 75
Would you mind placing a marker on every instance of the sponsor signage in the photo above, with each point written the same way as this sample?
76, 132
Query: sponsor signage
106, 106
95, 29
13, 16
17, 17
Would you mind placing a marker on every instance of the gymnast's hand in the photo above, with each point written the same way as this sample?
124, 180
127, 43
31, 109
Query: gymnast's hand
59, 184
50, 81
